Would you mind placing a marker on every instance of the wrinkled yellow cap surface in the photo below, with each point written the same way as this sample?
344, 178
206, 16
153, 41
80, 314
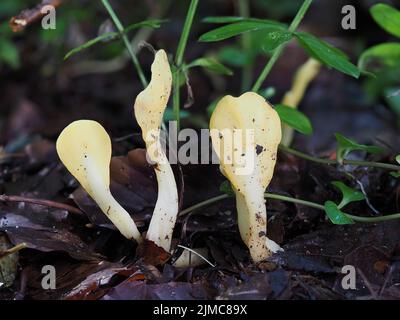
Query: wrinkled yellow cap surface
79, 140
150, 104
249, 111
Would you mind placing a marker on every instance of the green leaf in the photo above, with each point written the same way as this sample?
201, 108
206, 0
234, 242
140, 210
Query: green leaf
349, 194
276, 38
233, 19
398, 159
294, 118
113, 35
9, 53
234, 56
395, 174
345, 146
335, 215
90, 43
226, 188
385, 55
153, 23
327, 54
211, 64
223, 19
387, 17
237, 28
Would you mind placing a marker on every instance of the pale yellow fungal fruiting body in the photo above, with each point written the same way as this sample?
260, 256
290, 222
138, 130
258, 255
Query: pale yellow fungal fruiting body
85, 149
253, 113
149, 109
304, 75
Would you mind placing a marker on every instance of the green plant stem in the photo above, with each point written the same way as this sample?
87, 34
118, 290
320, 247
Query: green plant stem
176, 103
185, 32
179, 59
278, 51
299, 154
267, 69
204, 203
291, 200
247, 71
125, 39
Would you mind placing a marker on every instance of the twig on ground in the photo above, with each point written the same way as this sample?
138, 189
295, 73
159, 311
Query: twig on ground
46, 203
28, 16
368, 284
12, 250
197, 254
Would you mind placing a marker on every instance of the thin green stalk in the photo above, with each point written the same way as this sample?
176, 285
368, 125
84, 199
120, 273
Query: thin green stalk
185, 32
176, 103
299, 154
294, 200
179, 59
278, 51
321, 207
275, 56
291, 200
247, 70
124, 37
204, 203
374, 219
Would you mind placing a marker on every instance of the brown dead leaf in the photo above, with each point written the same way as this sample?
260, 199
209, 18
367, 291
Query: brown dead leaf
152, 254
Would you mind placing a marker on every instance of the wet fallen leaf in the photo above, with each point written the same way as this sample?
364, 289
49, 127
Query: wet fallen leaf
97, 284
44, 229
151, 253
139, 290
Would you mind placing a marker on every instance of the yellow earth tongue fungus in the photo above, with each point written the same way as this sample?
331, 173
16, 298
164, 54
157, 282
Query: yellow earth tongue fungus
85, 149
304, 75
149, 109
245, 133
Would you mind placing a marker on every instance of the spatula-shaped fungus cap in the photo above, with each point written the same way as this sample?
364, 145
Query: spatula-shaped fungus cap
84, 147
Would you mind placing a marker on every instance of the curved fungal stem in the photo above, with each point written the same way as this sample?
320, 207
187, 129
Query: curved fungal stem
149, 109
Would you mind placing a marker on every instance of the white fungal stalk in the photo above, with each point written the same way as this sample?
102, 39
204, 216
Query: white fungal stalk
149, 109
85, 149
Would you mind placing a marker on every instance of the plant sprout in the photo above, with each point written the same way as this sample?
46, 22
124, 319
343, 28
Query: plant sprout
149, 109
85, 149
249, 112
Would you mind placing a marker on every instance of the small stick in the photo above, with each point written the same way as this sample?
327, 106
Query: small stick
46, 203
197, 254
29, 16
12, 250
367, 284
